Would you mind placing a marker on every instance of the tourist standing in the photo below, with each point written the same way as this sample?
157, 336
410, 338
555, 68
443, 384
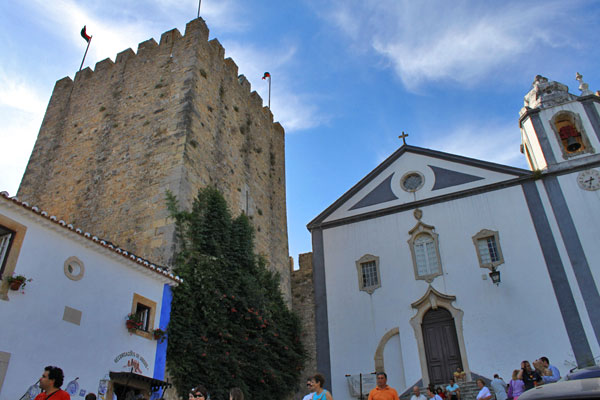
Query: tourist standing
529, 376
417, 395
383, 391
50, 383
515, 386
198, 393
432, 394
484, 392
320, 394
309, 387
499, 387
555, 372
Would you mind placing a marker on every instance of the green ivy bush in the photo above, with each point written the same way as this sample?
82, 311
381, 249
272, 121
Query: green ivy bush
229, 323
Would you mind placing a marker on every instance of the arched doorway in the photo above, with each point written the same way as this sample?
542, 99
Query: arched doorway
441, 345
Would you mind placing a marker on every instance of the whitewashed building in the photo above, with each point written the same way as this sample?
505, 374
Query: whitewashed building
403, 261
73, 312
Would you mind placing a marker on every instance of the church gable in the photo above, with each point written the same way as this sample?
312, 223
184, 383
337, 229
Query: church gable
413, 174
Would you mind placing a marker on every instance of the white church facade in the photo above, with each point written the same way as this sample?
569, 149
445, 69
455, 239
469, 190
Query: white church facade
407, 262
73, 312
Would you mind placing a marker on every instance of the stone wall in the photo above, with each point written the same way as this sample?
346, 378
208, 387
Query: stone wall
303, 303
175, 116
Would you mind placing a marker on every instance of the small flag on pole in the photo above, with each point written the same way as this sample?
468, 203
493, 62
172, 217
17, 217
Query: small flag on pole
88, 39
265, 76
84, 35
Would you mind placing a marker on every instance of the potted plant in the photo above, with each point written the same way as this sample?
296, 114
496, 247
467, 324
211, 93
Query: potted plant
133, 322
17, 282
159, 335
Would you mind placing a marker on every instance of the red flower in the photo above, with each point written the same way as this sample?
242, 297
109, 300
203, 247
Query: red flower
203, 354
233, 309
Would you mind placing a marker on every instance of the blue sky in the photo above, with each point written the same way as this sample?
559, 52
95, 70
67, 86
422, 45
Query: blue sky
348, 76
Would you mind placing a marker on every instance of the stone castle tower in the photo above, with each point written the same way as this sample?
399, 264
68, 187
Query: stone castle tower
175, 116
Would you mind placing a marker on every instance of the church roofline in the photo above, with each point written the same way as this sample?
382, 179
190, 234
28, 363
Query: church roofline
517, 172
130, 257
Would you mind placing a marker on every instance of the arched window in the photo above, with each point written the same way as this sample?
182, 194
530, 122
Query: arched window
425, 251
369, 277
426, 255
570, 134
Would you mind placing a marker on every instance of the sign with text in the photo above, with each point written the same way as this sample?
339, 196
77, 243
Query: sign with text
130, 361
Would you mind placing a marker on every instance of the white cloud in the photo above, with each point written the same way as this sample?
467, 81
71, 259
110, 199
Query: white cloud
21, 111
458, 41
495, 142
17, 136
16, 93
114, 28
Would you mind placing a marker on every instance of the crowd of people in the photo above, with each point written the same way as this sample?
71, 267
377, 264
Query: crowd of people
52, 379
522, 380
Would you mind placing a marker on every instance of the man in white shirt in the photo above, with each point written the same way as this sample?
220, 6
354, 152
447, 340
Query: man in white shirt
417, 394
310, 389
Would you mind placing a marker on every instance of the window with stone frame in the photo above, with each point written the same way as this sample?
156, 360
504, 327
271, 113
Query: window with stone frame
426, 255
12, 235
487, 246
6, 239
369, 277
146, 311
425, 252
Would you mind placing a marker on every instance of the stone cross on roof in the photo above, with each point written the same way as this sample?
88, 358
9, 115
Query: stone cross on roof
403, 137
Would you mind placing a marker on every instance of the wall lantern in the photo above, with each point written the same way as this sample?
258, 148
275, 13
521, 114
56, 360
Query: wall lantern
495, 275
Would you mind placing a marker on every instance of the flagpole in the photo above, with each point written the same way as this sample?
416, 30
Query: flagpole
269, 91
199, 2
86, 50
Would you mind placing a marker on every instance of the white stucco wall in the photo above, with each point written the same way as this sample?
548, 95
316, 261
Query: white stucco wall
410, 162
33, 330
535, 149
502, 325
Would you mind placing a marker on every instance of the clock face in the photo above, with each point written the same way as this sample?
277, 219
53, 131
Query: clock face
589, 180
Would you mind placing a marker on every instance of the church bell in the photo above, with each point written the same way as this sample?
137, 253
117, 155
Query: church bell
572, 144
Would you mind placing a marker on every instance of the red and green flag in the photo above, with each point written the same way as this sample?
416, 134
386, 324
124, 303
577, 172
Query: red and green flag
266, 75
84, 35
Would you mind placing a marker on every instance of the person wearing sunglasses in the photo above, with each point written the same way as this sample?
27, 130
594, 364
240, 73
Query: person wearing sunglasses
198, 393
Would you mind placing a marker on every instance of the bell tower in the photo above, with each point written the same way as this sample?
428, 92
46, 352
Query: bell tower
557, 126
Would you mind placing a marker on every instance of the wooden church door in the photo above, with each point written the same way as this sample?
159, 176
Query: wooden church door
441, 345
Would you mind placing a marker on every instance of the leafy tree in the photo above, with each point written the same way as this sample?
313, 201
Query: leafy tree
229, 323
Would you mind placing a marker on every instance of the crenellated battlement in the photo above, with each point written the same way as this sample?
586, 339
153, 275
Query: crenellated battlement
172, 42
175, 115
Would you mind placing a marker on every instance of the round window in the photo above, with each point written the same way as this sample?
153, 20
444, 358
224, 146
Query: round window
412, 181
74, 268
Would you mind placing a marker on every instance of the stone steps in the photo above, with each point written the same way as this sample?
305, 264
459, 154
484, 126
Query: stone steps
468, 391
